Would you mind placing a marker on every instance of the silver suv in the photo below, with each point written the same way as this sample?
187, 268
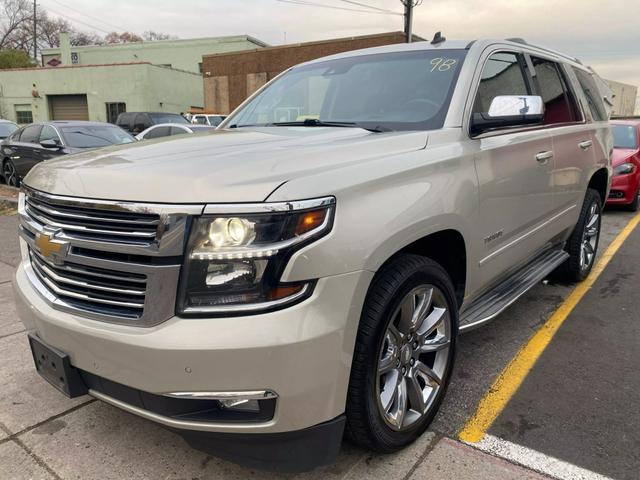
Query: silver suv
306, 269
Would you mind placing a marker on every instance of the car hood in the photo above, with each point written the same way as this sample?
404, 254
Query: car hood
223, 166
621, 155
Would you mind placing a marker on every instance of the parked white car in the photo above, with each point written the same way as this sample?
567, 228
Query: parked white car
170, 129
212, 119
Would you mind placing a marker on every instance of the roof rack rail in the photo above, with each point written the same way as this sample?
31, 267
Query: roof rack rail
555, 52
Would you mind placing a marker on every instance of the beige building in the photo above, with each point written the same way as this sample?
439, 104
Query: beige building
624, 99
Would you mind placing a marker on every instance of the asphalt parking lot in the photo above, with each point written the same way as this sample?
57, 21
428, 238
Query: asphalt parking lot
574, 416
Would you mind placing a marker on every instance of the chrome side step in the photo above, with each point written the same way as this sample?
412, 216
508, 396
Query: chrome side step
492, 303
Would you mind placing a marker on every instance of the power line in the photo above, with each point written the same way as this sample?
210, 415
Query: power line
110, 25
72, 19
370, 7
319, 5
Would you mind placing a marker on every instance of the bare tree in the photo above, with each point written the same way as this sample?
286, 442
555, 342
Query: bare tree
14, 16
123, 37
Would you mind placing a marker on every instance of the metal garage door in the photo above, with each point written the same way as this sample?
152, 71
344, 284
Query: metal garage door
68, 107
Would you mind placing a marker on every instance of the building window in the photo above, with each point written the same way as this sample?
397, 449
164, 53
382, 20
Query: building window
24, 115
114, 109
200, 68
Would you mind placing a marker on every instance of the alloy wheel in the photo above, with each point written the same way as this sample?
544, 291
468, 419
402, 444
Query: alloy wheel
590, 237
414, 357
9, 174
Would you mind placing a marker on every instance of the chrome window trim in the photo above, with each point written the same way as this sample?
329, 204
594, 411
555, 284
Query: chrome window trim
267, 207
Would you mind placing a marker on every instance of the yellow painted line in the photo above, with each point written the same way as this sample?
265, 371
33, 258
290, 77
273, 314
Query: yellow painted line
516, 371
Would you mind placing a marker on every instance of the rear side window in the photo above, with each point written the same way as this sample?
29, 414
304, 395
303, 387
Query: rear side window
30, 134
157, 132
559, 105
592, 94
124, 120
502, 75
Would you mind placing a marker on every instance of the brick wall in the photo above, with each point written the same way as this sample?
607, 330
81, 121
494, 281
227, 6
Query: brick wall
229, 78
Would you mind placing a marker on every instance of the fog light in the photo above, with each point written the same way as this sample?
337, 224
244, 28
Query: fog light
241, 405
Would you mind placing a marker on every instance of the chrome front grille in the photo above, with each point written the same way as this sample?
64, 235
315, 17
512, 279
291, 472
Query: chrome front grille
116, 262
94, 289
91, 223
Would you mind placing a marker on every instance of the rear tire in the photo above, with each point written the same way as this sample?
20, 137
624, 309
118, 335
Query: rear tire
582, 246
404, 354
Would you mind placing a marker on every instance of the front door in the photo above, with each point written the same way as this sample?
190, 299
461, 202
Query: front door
514, 168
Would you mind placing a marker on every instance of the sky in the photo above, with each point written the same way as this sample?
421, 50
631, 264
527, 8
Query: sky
602, 33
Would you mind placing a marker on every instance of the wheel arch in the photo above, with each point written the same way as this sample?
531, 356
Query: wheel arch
599, 181
448, 249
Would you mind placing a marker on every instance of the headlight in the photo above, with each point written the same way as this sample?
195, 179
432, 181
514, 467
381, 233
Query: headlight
234, 261
624, 169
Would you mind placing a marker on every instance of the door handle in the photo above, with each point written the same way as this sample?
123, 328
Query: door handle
585, 145
543, 157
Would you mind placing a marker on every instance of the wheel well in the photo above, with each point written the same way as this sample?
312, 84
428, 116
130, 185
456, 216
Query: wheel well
446, 248
599, 182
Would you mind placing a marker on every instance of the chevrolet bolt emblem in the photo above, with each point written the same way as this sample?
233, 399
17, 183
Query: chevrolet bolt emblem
49, 247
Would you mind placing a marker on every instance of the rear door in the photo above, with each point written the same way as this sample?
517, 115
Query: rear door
514, 168
572, 138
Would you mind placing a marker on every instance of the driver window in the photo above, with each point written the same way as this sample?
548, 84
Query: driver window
49, 133
502, 75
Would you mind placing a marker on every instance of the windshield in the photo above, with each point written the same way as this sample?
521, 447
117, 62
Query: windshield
167, 118
7, 129
95, 136
624, 136
391, 91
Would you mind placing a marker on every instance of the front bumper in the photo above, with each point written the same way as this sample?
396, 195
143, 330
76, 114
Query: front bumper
623, 189
303, 353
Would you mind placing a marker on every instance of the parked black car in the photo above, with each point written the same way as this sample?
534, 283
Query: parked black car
42, 141
137, 122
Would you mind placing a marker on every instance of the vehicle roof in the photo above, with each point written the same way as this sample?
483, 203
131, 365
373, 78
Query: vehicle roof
169, 124
150, 113
626, 121
74, 123
2, 120
479, 44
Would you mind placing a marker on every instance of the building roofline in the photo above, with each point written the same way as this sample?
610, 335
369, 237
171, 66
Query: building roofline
122, 64
55, 50
315, 42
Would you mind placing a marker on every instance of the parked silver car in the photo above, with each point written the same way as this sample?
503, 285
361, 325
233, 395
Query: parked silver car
307, 267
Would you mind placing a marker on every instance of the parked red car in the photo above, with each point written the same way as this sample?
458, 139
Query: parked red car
625, 188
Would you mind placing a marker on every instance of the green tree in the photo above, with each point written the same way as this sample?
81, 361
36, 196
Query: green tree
14, 59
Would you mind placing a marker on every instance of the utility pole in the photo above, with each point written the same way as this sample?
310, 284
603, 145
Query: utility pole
35, 31
408, 19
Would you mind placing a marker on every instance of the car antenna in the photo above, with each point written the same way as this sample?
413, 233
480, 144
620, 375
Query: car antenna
438, 38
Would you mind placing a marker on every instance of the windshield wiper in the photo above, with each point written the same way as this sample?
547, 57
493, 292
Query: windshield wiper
314, 122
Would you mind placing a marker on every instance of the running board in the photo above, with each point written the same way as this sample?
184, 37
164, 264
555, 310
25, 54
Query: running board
492, 303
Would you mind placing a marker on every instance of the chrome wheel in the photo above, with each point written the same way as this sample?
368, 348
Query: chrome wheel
590, 237
9, 174
414, 357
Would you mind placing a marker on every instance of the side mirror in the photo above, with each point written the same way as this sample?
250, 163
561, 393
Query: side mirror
509, 111
53, 144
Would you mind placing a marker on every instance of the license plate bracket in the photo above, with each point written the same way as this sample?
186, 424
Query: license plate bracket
55, 367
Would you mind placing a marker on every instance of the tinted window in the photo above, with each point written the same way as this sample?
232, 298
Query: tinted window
216, 120
167, 118
557, 107
178, 131
157, 132
140, 123
502, 75
30, 134
592, 94
624, 136
7, 129
124, 120
48, 133
397, 91
95, 136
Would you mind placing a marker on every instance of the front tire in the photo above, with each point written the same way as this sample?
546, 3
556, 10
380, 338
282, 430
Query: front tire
404, 353
10, 174
582, 246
